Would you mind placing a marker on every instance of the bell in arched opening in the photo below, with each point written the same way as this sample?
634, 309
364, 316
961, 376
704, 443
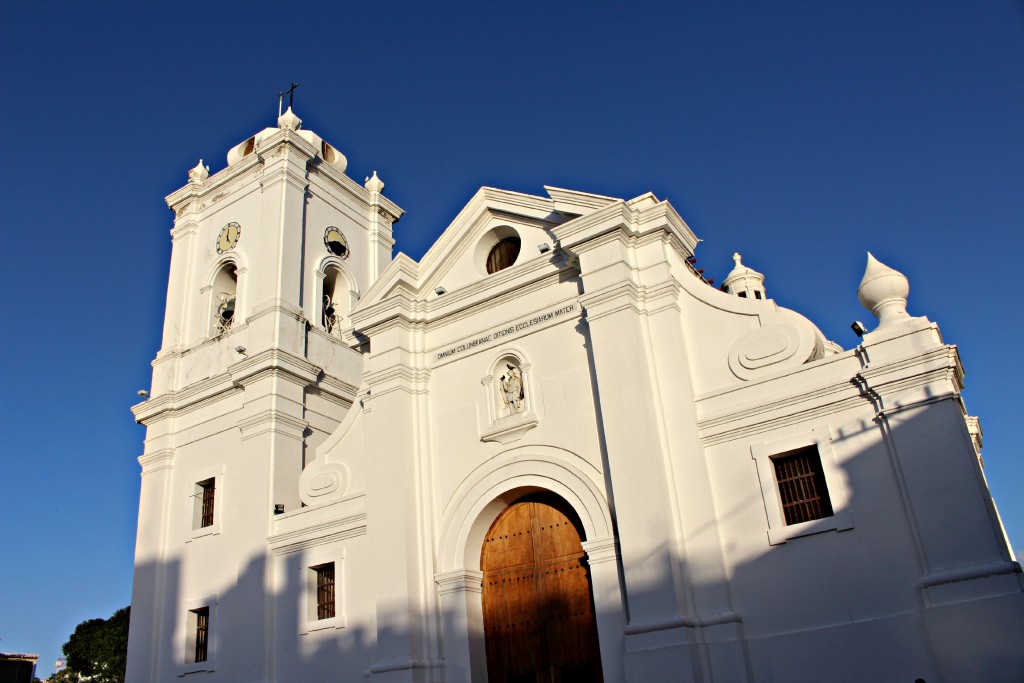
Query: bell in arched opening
225, 286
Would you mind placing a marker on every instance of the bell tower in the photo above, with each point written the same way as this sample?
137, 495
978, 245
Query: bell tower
269, 256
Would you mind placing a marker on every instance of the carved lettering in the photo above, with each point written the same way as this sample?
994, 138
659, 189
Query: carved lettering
505, 331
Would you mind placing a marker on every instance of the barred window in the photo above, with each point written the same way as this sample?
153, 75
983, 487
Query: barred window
201, 619
324, 590
202, 515
802, 488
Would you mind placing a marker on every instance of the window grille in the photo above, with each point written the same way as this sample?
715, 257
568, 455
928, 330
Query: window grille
208, 488
202, 633
325, 591
802, 486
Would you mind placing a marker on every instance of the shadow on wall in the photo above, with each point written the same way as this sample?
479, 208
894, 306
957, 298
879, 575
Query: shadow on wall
865, 603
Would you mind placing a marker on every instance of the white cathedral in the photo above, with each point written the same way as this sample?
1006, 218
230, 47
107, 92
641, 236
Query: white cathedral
550, 451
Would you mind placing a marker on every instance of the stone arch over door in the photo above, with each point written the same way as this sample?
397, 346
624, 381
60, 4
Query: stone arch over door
470, 513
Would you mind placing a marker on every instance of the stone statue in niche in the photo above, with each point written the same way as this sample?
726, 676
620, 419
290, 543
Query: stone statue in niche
511, 389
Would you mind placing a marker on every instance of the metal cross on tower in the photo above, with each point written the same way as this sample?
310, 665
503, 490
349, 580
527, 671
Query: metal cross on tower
291, 97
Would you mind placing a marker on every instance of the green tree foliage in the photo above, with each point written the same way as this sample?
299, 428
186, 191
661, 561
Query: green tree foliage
98, 649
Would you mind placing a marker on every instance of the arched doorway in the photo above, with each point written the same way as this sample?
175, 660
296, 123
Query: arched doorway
538, 610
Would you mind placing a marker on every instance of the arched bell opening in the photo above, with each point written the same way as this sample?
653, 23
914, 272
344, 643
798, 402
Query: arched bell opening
225, 299
539, 619
335, 302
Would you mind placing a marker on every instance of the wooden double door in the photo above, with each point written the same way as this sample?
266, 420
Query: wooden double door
537, 602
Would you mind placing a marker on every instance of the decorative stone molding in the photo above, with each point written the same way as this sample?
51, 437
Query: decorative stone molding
322, 483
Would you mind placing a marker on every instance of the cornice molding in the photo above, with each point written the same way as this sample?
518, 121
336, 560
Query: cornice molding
215, 182
274, 362
277, 306
838, 393
319, 540
175, 403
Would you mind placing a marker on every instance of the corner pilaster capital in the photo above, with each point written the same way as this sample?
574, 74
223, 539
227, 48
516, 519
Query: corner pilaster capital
623, 296
272, 421
602, 550
459, 581
184, 228
156, 461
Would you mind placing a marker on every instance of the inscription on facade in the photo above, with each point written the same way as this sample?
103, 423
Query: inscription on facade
507, 330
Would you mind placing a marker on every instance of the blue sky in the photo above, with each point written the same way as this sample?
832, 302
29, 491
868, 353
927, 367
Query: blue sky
801, 134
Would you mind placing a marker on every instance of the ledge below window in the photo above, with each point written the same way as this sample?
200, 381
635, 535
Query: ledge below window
840, 521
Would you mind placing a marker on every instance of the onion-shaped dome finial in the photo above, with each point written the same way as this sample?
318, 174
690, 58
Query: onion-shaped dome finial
374, 184
289, 120
198, 174
883, 291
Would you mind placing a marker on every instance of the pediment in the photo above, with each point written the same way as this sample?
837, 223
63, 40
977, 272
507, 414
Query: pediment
458, 258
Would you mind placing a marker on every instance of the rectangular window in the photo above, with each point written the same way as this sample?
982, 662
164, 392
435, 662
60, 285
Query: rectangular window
324, 590
203, 511
200, 618
802, 488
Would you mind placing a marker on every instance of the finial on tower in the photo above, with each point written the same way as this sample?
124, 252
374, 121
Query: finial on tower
883, 291
289, 120
374, 184
198, 174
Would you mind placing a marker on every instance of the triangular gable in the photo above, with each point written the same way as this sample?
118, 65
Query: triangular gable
445, 265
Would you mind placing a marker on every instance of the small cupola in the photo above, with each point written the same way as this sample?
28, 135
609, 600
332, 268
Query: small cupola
744, 282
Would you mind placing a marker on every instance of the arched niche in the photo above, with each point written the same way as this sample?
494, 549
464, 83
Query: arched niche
508, 394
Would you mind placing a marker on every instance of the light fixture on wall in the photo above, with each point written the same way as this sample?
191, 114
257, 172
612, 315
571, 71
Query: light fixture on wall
279, 508
858, 328
240, 350
439, 290
544, 248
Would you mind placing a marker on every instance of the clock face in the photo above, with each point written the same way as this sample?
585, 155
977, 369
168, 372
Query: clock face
228, 237
336, 242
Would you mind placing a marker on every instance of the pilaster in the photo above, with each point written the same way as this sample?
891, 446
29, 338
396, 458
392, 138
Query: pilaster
604, 562
460, 594
636, 461
395, 514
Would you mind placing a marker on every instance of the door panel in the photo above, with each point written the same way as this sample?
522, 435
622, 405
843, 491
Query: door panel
538, 610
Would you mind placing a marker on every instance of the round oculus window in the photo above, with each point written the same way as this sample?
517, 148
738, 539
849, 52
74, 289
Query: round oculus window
503, 254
